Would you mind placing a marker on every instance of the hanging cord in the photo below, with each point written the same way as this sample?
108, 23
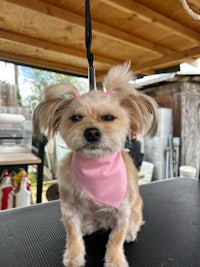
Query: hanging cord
88, 42
189, 10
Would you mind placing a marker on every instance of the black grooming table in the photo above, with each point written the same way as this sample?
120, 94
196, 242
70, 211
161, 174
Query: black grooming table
35, 237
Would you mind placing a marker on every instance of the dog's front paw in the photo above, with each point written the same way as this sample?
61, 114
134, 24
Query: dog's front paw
131, 234
130, 237
71, 260
117, 260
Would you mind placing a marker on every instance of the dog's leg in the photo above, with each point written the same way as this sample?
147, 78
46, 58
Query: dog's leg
75, 249
136, 220
114, 252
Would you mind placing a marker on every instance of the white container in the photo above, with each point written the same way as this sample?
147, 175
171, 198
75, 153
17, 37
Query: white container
23, 196
15, 133
154, 149
187, 171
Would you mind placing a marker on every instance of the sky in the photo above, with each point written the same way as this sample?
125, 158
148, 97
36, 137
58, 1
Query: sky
6, 72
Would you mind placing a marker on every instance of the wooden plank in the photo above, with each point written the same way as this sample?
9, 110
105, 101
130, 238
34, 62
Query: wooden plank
50, 65
190, 122
18, 159
195, 2
177, 114
98, 28
154, 64
177, 57
154, 17
23, 39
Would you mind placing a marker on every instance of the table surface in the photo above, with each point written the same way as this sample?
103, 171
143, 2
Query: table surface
18, 158
35, 237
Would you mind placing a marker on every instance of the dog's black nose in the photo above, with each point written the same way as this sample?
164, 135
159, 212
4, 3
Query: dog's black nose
92, 134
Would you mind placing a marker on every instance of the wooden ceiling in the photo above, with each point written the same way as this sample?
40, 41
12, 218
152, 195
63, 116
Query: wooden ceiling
153, 34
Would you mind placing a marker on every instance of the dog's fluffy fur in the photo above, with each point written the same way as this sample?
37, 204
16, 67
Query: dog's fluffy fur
116, 115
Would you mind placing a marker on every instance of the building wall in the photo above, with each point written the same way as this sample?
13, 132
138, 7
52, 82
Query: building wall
183, 96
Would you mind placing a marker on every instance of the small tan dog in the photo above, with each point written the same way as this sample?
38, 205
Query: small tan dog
98, 181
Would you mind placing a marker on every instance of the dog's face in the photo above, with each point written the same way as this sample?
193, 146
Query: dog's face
95, 125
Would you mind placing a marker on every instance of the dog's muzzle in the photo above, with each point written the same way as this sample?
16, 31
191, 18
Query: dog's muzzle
92, 135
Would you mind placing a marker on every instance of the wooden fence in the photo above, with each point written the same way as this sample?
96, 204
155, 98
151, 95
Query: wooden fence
8, 95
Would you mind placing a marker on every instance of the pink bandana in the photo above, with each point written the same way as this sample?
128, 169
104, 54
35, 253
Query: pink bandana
104, 179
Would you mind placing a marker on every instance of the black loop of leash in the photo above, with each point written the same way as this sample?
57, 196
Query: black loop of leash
88, 42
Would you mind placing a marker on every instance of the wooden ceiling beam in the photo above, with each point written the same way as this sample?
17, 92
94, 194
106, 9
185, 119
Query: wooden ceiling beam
194, 2
40, 63
174, 58
41, 44
98, 28
151, 16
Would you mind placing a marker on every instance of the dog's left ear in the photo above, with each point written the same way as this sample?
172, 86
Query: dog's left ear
142, 109
143, 113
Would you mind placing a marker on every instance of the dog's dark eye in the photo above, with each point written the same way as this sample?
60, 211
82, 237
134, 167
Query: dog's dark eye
108, 117
76, 117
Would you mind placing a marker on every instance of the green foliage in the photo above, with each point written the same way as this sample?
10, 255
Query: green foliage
4, 82
19, 99
40, 79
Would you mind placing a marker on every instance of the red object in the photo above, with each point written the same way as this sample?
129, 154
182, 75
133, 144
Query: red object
4, 201
6, 191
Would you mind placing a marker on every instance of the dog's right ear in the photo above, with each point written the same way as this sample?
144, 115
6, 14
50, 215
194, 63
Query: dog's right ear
47, 115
